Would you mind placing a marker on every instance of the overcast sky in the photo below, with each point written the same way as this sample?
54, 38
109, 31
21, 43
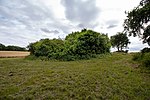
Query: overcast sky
26, 21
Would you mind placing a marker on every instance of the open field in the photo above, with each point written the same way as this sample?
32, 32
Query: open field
10, 54
112, 77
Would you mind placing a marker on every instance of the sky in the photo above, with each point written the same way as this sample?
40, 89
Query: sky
26, 21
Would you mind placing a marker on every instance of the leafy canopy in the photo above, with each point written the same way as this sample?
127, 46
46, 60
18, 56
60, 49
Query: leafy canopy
120, 41
138, 21
46, 47
87, 43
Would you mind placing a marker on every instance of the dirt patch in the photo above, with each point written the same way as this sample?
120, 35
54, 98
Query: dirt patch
13, 54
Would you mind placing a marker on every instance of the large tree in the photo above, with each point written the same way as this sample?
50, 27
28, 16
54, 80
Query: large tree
87, 42
120, 41
138, 21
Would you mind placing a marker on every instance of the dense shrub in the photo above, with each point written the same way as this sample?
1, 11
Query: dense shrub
146, 60
143, 58
86, 44
46, 47
77, 45
145, 50
137, 57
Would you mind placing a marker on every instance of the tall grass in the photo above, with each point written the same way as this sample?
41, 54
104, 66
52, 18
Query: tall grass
143, 58
111, 77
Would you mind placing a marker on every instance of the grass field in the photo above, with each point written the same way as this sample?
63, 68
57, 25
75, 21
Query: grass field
13, 54
112, 77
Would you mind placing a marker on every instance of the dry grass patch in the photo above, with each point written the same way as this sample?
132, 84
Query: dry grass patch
9, 54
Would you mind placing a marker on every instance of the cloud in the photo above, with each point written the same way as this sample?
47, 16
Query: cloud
80, 25
48, 31
83, 12
111, 26
112, 23
136, 44
24, 12
26, 19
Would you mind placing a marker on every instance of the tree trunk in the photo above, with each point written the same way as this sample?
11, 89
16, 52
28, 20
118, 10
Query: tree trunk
121, 48
118, 48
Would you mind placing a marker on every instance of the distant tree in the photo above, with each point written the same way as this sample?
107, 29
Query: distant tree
11, 48
120, 41
14, 48
2, 47
138, 21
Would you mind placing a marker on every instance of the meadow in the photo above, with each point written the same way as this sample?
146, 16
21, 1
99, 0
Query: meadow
109, 77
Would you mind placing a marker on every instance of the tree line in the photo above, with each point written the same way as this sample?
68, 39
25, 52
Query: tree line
11, 48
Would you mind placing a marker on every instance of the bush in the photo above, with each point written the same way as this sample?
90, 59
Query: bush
143, 58
46, 47
86, 44
137, 57
145, 50
146, 60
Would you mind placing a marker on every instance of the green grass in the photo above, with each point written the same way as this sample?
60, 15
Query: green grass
112, 77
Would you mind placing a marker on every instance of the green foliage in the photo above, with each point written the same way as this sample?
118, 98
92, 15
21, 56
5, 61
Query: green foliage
2, 47
77, 45
46, 47
120, 41
137, 57
11, 48
143, 58
15, 48
137, 20
146, 60
146, 35
87, 43
145, 50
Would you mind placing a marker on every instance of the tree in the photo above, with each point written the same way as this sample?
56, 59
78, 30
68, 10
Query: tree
87, 43
11, 48
120, 41
138, 20
2, 47
14, 48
